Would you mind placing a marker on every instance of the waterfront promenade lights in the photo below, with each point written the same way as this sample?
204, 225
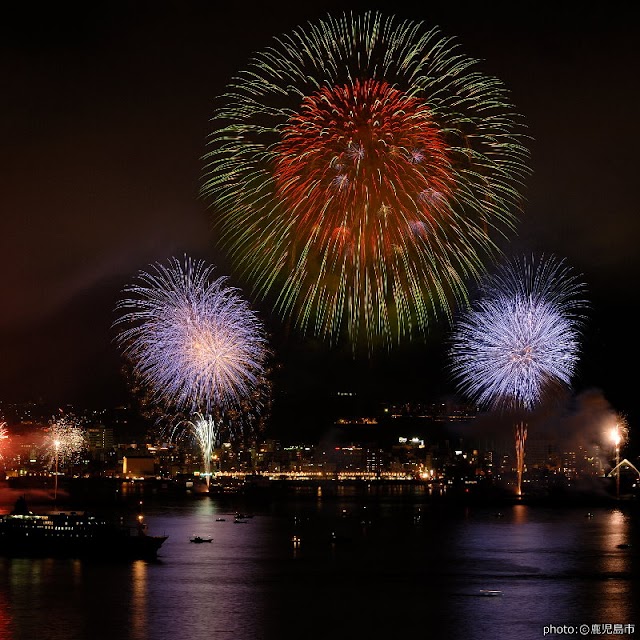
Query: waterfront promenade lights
56, 445
616, 438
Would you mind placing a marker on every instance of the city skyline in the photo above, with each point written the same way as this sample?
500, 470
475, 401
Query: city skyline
106, 126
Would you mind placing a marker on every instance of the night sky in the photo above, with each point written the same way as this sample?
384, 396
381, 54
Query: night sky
104, 115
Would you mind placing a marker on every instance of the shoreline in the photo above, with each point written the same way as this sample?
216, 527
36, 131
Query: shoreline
114, 492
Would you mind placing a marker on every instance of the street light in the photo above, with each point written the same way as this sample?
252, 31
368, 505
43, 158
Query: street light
56, 444
616, 438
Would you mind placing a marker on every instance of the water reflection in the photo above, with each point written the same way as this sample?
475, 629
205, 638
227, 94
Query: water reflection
35, 586
611, 599
552, 566
214, 590
6, 621
380, 567
139, 622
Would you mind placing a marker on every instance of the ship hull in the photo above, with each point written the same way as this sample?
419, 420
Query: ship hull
75, 536
126, 549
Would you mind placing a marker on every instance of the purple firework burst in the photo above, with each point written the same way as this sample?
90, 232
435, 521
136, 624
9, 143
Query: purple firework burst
192, 339
521, 338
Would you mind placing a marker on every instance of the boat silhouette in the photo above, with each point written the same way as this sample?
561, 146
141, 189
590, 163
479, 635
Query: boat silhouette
74, 535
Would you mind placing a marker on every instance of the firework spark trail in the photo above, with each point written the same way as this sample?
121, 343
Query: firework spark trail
360, 170
520, 431
193, 341
205, 430
521, 338
4, 435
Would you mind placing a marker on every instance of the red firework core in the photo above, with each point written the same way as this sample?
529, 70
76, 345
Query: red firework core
363, 168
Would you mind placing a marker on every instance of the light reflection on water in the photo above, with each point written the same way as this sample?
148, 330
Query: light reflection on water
555, 567
361, 569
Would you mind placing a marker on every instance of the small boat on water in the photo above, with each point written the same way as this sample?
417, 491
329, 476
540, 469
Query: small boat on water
490, 592
199, 540
74, 535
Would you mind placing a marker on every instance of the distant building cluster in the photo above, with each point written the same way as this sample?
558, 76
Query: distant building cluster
445, 456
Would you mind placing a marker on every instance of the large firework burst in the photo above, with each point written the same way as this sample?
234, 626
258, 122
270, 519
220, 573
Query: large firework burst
520, 340
360, 170
192, 340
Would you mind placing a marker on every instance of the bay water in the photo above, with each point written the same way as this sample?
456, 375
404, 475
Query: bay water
393, 565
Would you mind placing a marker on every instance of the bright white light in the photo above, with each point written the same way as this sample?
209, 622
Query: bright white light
615, 436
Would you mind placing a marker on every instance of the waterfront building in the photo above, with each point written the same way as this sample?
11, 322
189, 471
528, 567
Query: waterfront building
138, 464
